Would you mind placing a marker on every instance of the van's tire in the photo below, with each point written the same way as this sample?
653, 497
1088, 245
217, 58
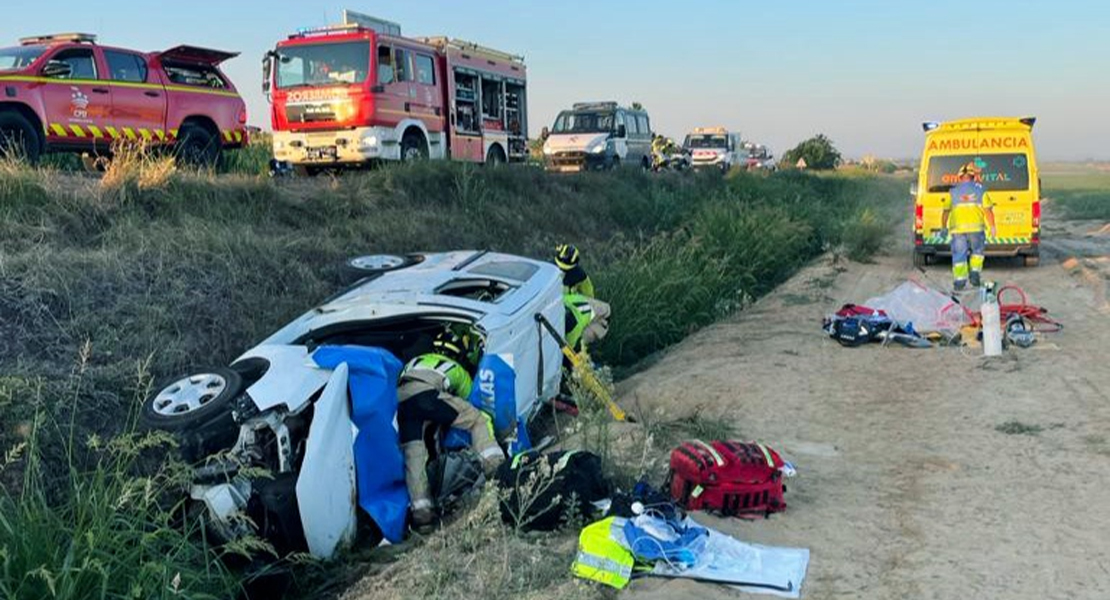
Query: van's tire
413, 147
361, 267
197, 409
18, 138
197, 147
615, 164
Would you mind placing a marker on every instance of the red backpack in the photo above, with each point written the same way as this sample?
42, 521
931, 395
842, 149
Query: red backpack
732, 478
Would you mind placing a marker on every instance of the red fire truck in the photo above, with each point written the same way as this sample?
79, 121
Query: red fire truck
66, 93
351, 94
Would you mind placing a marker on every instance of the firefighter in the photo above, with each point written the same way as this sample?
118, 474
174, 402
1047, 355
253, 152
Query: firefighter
575, 279
587, 320
659, 147
433, 390
968, 216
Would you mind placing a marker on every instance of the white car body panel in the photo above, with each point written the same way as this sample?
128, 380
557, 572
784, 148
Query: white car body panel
574, 142
326, 489
291, 380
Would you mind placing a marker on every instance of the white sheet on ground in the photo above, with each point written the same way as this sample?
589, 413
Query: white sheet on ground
928, 310
731, 562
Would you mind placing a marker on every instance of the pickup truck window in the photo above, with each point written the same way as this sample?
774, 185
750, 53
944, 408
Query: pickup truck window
194, 75
81, 63
20, 57
125, 66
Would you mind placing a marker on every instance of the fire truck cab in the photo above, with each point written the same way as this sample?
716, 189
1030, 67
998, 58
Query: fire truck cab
351, 94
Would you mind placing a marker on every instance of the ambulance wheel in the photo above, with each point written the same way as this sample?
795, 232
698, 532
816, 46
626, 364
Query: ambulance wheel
306, 171
920, 259
1032, 260
18, 139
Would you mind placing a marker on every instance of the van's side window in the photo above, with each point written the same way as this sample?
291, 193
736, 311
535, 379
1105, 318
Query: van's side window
385, 65
645, 124
633, 129
619, 121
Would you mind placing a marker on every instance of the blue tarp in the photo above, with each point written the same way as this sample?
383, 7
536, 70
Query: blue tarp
379, 464
494, 392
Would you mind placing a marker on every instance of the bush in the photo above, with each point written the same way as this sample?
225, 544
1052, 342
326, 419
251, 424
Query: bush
818, 152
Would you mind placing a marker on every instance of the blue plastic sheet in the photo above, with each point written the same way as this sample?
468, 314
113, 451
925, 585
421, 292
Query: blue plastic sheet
379, 464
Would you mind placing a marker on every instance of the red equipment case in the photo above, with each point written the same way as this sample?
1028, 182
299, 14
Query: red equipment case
740, 479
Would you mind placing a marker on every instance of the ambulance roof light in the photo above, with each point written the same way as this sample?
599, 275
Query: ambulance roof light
930, 125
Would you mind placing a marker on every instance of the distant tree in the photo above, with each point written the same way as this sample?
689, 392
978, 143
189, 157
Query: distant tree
637, 106
818, 152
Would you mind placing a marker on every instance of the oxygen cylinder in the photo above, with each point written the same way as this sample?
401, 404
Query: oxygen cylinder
992, 324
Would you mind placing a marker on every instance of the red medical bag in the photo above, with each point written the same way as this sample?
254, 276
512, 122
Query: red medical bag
742, 479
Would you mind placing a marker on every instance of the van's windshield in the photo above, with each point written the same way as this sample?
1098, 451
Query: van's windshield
1001, 172
583, 122
706, 141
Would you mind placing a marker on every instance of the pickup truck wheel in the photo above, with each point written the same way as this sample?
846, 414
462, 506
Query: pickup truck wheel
413, 148
197, 147
1032, 260
18, 139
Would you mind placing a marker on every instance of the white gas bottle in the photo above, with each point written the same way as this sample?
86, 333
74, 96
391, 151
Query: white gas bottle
992, 323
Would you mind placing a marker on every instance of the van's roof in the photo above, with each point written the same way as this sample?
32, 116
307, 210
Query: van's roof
981, 124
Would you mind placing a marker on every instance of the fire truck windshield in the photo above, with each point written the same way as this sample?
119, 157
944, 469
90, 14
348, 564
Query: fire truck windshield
317, 65
19, 57
583, 122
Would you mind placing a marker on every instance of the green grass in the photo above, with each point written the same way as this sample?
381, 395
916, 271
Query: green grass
177, 270
1079, 191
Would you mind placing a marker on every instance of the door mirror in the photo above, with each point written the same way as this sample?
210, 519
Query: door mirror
622, 131
57, 69
267, 72
545, 133
913, 190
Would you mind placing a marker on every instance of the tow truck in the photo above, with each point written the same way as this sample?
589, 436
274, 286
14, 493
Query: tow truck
347, 95
66, 93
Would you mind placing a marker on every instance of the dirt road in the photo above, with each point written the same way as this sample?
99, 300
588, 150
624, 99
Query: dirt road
905, 488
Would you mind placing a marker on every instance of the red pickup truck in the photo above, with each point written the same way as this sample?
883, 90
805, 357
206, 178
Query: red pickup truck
66, 93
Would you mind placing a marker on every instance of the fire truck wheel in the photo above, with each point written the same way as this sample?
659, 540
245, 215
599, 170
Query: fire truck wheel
18, 139
413, 147
197, 147
495, 156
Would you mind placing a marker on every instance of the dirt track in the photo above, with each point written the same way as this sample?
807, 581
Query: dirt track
905, 488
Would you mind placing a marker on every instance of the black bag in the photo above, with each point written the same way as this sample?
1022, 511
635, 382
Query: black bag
544, 491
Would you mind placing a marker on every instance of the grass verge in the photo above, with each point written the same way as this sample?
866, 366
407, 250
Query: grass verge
173, 270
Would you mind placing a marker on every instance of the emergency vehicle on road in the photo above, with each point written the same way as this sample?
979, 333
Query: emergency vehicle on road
714, 147
350, 94
66, 93
1002, 150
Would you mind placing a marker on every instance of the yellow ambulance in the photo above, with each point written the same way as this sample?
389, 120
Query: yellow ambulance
1002, 148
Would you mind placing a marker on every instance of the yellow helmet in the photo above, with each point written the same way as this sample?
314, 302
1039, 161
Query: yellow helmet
971, 169
450, 344
566, 256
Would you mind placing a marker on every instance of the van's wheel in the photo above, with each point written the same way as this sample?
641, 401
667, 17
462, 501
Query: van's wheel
413, 147
18, 138
616, 164
196, 147
360, 267
198, 409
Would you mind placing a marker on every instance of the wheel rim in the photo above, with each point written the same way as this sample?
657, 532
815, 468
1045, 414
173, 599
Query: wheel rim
189, 395
378, 262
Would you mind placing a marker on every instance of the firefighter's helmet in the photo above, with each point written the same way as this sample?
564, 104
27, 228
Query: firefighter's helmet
566, 256
450, 344
970, 169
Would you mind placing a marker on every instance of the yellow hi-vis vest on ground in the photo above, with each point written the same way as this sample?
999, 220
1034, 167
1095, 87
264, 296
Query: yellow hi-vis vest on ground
601, 557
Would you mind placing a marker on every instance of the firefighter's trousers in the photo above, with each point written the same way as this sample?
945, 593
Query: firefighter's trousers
421, 406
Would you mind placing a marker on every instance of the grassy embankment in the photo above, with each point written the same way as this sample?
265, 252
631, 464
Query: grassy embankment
107, 285
1079, 191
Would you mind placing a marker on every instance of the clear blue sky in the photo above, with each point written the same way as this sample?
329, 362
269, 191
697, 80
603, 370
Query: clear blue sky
866, 73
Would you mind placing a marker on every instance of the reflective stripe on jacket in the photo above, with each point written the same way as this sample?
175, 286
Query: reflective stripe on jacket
601, 556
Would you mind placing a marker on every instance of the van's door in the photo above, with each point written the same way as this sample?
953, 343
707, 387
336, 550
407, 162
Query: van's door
1011, 190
